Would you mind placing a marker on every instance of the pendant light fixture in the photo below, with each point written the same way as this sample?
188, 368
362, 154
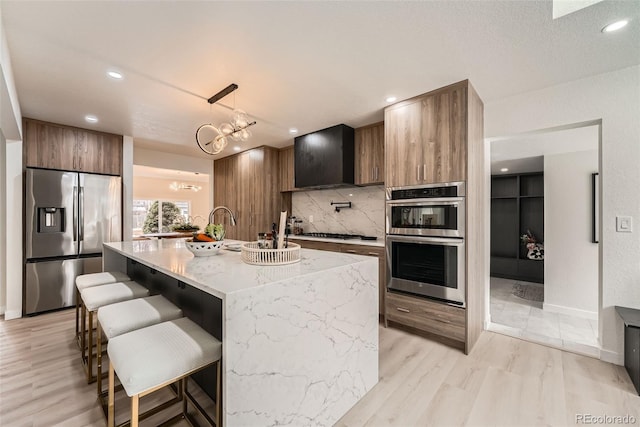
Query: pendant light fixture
213, 139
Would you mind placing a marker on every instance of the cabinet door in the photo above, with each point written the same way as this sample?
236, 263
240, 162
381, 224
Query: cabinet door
49, 146
286, 169
225, 190
444, 127
403, 145
369, 159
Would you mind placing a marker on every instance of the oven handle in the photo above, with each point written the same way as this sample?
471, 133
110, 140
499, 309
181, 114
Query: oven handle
423, 202
447, 241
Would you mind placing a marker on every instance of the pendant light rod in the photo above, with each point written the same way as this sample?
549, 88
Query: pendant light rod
224, 92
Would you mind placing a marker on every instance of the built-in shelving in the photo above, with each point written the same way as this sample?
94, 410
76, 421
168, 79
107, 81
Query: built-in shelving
517, 205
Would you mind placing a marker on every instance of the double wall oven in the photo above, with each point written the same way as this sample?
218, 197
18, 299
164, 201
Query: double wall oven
425, 227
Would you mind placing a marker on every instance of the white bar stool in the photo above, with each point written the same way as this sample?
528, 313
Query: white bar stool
120, 318
97, 296
88, 280
156, 356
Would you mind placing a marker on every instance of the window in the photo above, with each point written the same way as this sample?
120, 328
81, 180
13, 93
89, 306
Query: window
148, 214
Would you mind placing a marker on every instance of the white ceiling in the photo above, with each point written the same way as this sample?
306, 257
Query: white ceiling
307, 65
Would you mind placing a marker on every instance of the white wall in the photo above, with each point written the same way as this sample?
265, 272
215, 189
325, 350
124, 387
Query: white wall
571, 259
127, 188
615, 99
11, 188
3, 223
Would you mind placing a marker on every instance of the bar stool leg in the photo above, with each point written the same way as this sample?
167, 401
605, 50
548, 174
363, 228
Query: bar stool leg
90, 377
111, 413
78, 317
83, 334
135, 399
99, 360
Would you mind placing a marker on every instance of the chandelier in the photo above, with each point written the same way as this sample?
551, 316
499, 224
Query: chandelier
213, 139
182, 186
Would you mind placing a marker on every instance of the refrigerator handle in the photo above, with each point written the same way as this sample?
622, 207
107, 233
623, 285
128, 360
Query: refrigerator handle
75, 213
81, 213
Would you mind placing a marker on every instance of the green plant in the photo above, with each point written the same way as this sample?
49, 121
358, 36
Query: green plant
169, 213
215, 231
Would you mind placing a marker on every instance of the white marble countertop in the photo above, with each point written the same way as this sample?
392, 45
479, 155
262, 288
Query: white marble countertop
377, 243
225, 273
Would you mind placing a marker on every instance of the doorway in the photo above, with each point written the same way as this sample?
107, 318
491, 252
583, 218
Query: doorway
544, 258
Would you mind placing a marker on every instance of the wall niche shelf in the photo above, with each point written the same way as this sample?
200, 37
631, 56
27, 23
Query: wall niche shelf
517, 205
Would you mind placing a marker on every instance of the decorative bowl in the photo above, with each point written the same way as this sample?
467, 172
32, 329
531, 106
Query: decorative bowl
204, 248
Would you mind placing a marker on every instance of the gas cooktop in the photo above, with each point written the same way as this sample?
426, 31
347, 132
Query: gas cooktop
340, 236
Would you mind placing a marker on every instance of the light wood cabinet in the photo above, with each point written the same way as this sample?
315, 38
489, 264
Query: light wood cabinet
53, 146
433, 138
369, 154
429, 316
358, 250
286, 169
426, 138
247, 183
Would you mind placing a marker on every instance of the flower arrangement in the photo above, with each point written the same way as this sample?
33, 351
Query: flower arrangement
529, 240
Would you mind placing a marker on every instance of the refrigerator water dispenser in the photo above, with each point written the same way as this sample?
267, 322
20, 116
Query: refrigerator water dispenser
50, 220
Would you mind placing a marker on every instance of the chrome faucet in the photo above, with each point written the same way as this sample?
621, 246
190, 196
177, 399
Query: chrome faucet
217, 208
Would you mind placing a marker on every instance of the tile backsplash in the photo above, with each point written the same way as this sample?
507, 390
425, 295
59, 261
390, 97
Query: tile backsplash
366, 215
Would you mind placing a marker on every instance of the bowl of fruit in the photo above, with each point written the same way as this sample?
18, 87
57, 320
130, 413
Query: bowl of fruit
207, 243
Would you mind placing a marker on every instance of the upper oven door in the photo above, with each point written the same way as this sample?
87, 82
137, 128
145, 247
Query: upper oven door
426, 217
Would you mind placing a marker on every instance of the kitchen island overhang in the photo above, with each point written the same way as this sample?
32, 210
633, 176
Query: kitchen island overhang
300, 341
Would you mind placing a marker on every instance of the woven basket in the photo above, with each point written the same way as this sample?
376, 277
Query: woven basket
251, 254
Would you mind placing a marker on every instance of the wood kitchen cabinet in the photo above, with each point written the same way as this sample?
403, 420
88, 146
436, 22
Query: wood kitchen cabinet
53, 146
358, 250
426, 138
286, 169
369, 154
247, 183
433, 138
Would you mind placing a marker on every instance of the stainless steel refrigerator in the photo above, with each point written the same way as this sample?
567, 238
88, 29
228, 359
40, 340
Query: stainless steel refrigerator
68, 215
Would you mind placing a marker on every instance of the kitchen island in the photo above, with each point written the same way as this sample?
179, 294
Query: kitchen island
300, 341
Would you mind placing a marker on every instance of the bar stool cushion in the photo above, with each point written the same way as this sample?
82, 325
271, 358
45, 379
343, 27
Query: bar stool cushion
98, 296
148, 357
94, 279
127, 316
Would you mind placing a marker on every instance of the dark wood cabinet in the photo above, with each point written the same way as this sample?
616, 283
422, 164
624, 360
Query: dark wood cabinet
369, 154
426, 138
517, 205
247, 183
53, 146
631, 319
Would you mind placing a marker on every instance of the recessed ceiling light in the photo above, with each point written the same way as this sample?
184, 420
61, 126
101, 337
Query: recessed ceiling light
293, 130
236, 148
614, 26
391, 99
115, 75
91, 119
504, 170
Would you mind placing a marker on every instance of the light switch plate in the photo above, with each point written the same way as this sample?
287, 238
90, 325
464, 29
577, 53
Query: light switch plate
310, 219
624, 224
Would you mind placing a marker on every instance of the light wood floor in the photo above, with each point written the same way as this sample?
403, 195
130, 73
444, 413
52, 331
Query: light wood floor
504, 381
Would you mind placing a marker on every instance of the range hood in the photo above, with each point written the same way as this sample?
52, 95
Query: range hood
325, 158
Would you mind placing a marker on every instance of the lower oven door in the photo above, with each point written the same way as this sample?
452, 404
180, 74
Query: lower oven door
427, 266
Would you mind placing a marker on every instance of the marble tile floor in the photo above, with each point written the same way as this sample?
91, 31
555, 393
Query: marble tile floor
521, 318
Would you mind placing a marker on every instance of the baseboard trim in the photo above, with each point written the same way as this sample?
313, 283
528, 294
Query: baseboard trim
12, 314
612, 357
560, 309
